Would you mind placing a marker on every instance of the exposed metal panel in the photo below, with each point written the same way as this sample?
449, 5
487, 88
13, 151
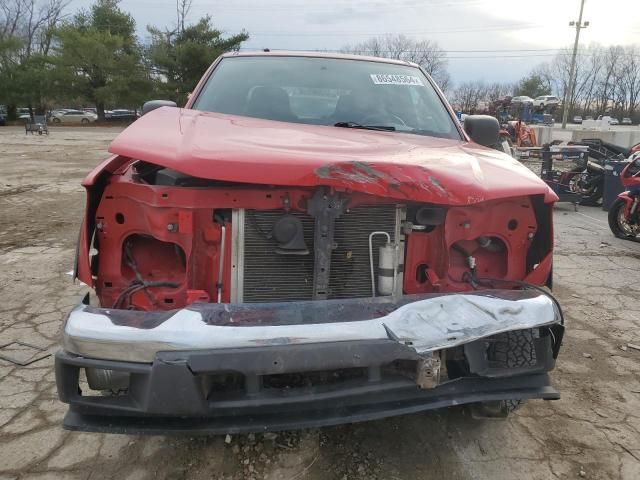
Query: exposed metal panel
269, 277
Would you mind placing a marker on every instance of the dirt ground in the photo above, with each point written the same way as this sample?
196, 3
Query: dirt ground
592, 432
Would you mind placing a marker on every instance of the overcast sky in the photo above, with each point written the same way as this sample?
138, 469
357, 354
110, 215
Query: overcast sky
473, 32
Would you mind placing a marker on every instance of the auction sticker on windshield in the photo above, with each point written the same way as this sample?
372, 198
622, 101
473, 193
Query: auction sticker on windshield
389, 79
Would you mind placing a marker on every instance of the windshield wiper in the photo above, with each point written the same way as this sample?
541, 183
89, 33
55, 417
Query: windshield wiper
382, 128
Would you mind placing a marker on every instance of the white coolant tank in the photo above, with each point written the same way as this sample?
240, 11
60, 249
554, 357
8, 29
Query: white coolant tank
385, 269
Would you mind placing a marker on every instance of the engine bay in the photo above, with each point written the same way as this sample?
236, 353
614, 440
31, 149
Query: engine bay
164, 240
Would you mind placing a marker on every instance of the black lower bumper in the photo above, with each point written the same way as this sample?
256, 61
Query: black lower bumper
388, 401
268, 389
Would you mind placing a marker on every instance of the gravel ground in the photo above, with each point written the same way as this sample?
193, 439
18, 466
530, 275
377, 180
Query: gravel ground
592, 432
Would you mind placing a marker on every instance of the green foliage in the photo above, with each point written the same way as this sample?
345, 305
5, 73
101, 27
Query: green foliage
180, 58
533, 86
97, 57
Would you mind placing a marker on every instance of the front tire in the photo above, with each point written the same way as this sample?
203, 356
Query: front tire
84, 121
512, 350
618, 224
56, 120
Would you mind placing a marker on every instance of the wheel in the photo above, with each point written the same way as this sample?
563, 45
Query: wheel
590, 194
511, 350
619, 224
56, 120
84, 121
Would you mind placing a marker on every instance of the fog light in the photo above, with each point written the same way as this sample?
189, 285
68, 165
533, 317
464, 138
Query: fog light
101, 379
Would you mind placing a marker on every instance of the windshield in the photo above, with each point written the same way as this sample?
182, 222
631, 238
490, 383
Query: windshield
326, 91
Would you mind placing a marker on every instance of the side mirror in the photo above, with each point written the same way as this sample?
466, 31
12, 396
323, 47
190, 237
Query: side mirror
483, 129
153, 104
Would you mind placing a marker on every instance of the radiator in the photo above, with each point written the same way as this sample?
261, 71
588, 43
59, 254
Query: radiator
261, 275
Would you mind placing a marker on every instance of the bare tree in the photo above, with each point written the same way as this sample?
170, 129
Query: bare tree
630, 78
606, 85
607, 80
31, 22
183, 7
425, 53
468, 95
496, 91
26, 32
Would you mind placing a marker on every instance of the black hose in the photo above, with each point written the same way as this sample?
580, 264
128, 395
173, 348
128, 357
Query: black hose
136, 287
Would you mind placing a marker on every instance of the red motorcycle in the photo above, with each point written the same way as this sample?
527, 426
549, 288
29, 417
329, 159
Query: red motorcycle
624, 214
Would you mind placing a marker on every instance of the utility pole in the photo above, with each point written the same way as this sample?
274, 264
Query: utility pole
568, 93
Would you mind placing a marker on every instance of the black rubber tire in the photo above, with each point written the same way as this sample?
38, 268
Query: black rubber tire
84, 121
613, 220
511, 350
56, 120
594, 196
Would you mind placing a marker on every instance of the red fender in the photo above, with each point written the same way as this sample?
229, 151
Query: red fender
628, 200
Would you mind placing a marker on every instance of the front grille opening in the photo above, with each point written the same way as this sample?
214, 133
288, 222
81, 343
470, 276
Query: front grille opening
283, 381
227, 383
402, 368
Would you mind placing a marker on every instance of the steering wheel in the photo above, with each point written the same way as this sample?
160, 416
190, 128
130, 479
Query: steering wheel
380, 118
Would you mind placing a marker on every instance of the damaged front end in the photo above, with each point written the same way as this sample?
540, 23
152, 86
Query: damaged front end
216, 368
347, 293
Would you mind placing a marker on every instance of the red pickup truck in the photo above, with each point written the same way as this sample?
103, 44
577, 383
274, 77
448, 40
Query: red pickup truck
313, 239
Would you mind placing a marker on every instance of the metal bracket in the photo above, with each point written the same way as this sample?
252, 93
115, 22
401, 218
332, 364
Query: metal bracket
237, 254
325, 208
428, 371
20, 363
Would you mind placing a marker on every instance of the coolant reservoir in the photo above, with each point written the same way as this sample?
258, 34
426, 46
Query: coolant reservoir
385, 269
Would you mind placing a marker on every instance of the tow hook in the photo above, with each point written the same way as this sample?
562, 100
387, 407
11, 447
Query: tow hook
428, 371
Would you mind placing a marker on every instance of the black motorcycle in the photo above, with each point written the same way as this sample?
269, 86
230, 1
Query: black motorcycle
587, 179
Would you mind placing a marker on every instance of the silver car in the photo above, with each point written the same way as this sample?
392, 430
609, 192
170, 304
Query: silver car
546, 100
73, 116
522, 99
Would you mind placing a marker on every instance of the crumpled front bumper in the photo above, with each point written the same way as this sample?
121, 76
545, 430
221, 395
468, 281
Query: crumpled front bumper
174, 360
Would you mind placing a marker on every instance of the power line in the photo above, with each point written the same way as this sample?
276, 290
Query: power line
293, 7
378, 34
562, 52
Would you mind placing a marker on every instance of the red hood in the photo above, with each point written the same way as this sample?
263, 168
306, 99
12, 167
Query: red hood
390, 164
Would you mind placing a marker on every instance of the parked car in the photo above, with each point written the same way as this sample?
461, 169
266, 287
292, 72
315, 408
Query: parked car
613, 121
577, 119
22, 113
546, 101
73, 116
58, 111
589, 117
522, 99
264, 260
626, 121
121, 115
